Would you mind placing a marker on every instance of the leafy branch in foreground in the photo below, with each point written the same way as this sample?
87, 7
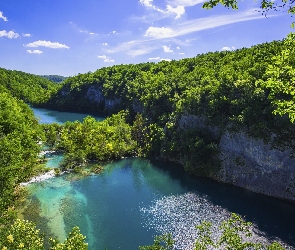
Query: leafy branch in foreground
265, 5
24, 235
281, 80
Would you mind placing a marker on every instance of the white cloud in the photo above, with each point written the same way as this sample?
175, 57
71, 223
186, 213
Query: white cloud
36, 51
159, 59
134, 48
157, 32
147, 3
166, 59
87, 32
9, 34
106, 58
47, 44
181, 53
167, 49
177, 48
105, 44
200, 24
179, 10
228, 48
27, 35
3, 17
154, 58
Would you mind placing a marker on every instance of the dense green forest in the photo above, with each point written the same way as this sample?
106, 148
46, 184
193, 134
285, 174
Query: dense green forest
250, 89
54, 78
30, 88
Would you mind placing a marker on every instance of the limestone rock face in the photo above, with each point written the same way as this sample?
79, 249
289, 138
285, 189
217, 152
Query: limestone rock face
250, 163
95, 95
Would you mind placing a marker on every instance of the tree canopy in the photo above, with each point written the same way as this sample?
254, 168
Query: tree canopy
265, 5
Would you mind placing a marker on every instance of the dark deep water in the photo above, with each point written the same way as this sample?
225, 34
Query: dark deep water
135, 199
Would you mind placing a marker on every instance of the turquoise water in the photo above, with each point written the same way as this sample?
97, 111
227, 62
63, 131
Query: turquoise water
50, 116
134, 199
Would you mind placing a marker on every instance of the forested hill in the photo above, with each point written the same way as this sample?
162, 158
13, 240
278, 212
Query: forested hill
222, 86
214, 113
27, 87
54, 78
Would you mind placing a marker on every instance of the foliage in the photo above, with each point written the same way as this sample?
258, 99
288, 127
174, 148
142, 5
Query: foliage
281, 80
234, 234
265, 5
27, 87
19, 136
161, 242
75, 240
24, 235
54, 78
92, 140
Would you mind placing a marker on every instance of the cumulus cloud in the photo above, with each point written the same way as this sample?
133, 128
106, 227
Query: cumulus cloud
36, 51
179, 10
157, 32
105, 44
181, 53
3, 17
167, 49
228, 48
147, 3
106, 58
27, 35
177, 48
9, 34
47, 44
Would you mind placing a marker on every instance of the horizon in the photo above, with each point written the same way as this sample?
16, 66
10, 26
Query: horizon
43, 39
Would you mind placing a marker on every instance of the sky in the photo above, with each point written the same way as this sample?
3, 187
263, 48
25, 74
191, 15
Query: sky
68, 37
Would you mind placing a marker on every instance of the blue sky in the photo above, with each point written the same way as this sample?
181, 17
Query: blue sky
67, 37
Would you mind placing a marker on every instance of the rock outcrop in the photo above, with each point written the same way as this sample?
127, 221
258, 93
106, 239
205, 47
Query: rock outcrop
252, 164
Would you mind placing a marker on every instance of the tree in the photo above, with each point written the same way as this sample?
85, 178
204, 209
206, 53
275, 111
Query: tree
265, 5
24, 235
281, 80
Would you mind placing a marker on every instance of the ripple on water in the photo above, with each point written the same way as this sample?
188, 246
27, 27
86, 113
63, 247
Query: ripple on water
180, 214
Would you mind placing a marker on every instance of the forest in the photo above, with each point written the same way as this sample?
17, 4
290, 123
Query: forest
152, 109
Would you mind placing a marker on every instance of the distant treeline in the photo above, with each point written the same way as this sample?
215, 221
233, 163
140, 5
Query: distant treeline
54, 78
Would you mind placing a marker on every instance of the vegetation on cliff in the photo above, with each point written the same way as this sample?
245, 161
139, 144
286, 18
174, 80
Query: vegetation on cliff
187, 104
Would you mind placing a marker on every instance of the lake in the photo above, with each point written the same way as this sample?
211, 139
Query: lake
134, 199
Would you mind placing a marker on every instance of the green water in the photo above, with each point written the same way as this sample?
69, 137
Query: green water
134, 199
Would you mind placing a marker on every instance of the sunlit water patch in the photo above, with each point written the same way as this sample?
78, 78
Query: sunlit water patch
178, 215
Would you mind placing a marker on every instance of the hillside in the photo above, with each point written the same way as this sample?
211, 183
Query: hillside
192, 111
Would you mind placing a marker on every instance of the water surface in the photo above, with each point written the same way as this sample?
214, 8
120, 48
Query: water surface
47, 116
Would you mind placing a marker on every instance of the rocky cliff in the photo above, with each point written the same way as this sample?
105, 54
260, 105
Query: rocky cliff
252, 164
